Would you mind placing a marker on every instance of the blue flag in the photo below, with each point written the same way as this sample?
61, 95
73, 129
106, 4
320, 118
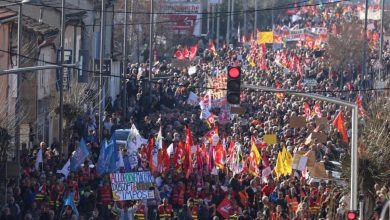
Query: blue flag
108, 157
79, 156
100, 165
69, 201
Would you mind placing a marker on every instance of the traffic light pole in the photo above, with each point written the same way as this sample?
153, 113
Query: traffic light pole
361, 210
384, 209
354, 136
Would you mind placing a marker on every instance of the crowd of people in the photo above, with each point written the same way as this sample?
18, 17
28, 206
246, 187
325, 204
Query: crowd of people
210, 191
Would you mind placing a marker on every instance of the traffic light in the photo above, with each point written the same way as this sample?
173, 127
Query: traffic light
352, 214
233, 85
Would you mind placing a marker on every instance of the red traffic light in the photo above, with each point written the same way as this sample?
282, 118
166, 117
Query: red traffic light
351, 215
234, 72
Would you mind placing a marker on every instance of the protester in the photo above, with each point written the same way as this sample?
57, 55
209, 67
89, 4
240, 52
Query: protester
210, 163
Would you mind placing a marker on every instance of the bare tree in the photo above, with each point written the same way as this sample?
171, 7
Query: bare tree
79, 97
345, 49
374, 154
138, 28
7, 129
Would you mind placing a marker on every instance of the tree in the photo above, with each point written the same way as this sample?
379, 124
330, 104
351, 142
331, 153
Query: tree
346, 48
138, 28
7, 129
78, 97
374, 154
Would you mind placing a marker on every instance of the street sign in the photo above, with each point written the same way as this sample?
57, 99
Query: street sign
67, 71
106, 67
184, 18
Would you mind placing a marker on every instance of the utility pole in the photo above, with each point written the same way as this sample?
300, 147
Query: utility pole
381, 42
245, 30
212, 21
218, 23
124, 103
18, 98
208, 18
232, 18
151, 49
101, 69
255, 23
61, 86
228, 23
365, 41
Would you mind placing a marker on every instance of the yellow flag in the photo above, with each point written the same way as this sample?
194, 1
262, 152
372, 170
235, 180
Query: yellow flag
265, 37
251, 62
255, 151
279, 166
287, 158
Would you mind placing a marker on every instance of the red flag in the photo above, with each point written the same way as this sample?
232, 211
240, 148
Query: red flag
193, 51
211, 120
339, 124
164, 161
359, 104
224, 207
219, 156
283, 59
231, 147
209, 135
186, 53
179, 54
266, 168
212, 48
189, 144
317, 110
180, 157
205, 157
309, 42
307, 110
152, 153
279, 95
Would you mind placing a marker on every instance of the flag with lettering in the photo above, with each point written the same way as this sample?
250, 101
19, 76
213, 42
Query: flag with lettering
108, 157
65, 170
79, 155
224, 208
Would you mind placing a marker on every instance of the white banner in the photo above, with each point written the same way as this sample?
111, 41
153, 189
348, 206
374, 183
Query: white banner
132, 186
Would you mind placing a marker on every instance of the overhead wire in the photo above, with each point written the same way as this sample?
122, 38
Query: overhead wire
172, 13
217, 16
96, 73
222, 14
